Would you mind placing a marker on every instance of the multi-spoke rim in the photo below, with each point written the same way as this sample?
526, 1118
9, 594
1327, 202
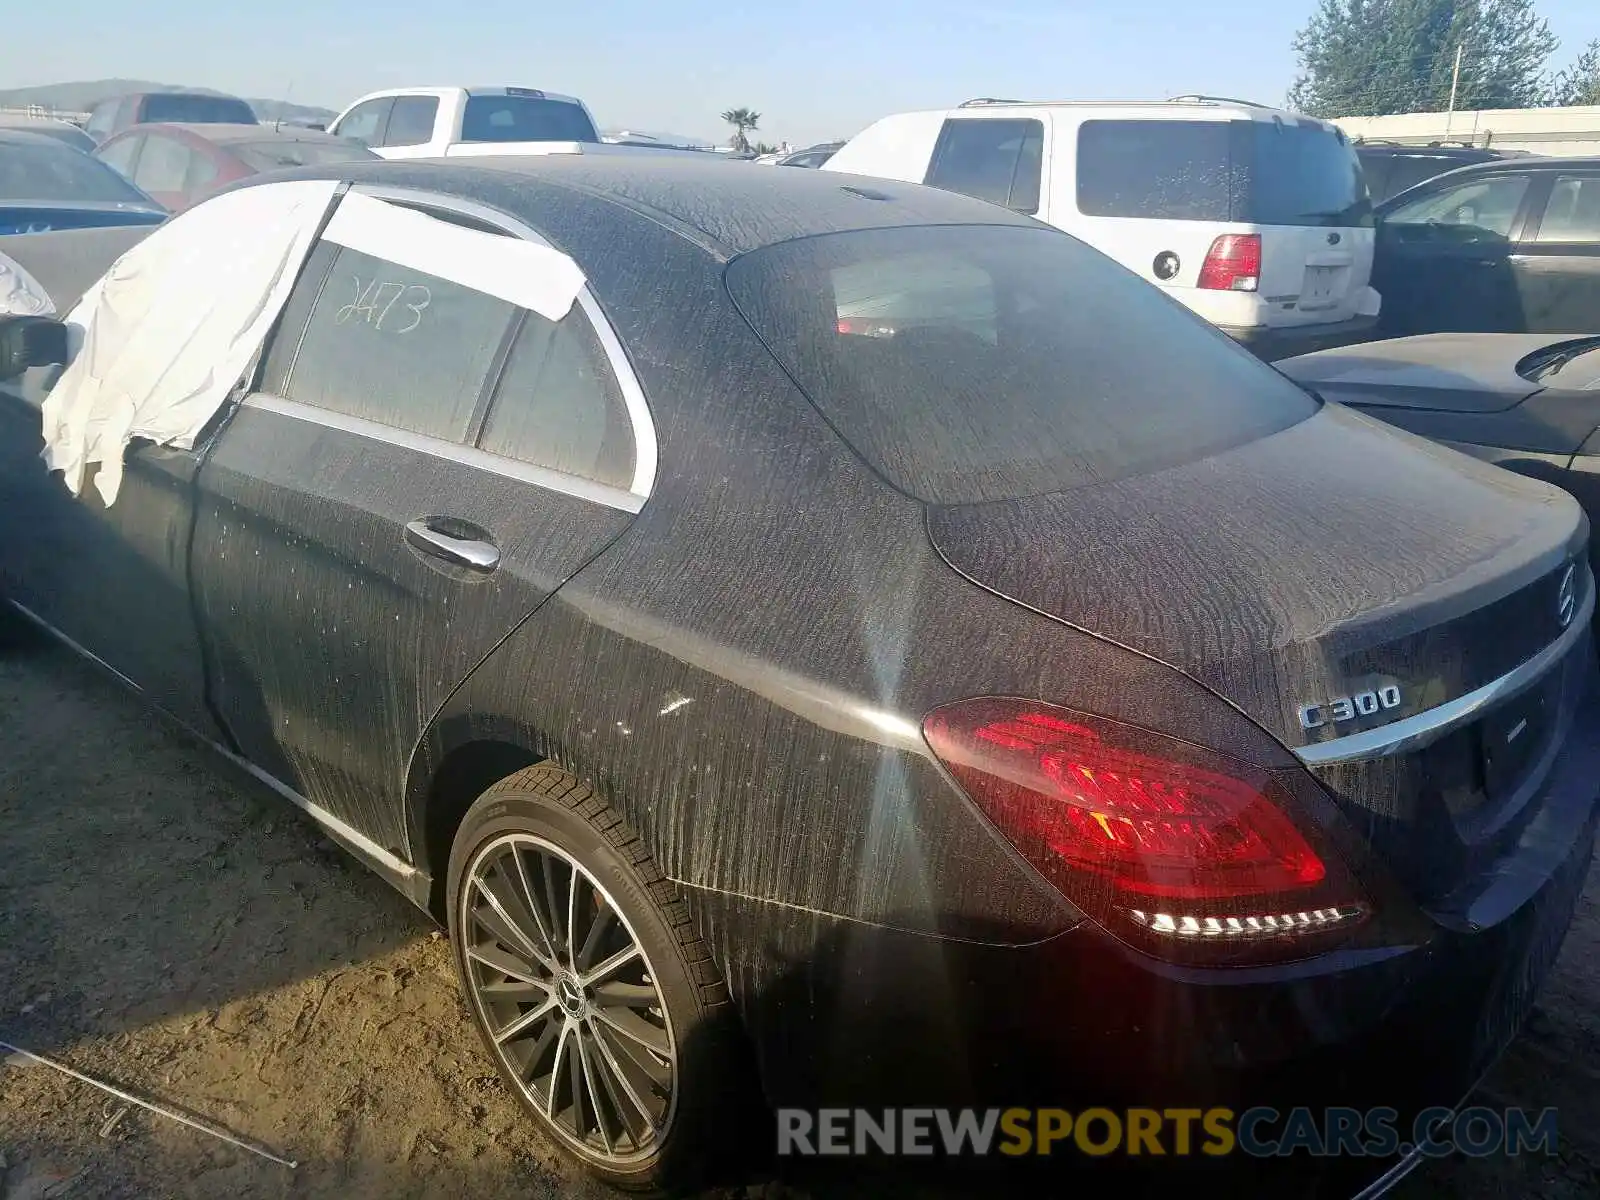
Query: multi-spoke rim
569, 998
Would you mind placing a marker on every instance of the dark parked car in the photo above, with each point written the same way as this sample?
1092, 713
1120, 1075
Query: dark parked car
180, 164
1504, 247
811, 156
149, 108
991, 711
1391, 167
1527, 402
46, 185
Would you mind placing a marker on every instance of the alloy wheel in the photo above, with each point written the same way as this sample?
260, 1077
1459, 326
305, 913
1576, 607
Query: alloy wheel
569, 999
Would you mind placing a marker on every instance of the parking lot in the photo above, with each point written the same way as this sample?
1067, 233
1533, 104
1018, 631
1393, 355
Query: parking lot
231, 962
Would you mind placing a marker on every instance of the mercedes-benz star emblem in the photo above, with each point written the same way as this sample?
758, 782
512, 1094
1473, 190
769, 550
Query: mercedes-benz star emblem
1567, 596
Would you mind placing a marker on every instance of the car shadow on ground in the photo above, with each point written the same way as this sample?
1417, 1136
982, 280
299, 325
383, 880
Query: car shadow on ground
139, 883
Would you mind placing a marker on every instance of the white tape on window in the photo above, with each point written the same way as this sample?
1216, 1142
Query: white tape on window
519, 272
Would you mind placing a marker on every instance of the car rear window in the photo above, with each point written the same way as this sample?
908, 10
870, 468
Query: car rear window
51, 171
979, 363
1249, 172
525, 119
990, 159
277, 156
198, 110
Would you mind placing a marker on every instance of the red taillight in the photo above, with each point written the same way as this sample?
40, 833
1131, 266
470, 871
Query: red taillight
1147, 834
1233, 264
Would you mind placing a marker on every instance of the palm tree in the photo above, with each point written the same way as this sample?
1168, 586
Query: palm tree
743, 120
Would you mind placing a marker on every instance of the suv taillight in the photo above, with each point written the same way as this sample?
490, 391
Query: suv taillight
1165, 844
1233, 264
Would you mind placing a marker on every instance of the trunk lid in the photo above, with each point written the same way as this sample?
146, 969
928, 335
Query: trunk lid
1330, 562
1440, 372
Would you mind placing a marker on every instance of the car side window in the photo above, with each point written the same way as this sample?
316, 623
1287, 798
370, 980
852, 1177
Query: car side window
121, 154
558, 404
103, 119
395, 346
1572, 213
1481, 210
994, 160
365, 122
202, 172
411, 121
162, 165
285, 341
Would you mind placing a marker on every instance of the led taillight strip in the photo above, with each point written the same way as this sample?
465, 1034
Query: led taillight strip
1264, 925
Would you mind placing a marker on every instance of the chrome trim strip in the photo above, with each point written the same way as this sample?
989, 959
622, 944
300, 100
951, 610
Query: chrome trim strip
646, 452
72, 645
357, 843
467, 456
1387, 1182
1424, 728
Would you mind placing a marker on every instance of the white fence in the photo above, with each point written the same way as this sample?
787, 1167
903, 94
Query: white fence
40, 110
1558, 131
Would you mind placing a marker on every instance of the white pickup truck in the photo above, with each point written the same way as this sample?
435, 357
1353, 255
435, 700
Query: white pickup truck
439, 122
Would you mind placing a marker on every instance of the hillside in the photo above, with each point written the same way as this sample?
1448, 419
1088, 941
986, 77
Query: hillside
84, 95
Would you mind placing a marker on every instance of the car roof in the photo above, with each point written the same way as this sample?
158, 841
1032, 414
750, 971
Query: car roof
727, 208
1180, 108
181, 92
1531, 162
1517, 164
1430, 151
225, 134
26, 137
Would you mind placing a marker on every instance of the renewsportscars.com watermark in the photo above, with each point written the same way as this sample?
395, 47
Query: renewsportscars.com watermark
1150, 1132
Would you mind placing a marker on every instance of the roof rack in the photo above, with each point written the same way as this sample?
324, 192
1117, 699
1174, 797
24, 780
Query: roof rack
983, 100
1197, 98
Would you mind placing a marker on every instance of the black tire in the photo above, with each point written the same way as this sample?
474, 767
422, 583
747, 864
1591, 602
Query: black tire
549, 807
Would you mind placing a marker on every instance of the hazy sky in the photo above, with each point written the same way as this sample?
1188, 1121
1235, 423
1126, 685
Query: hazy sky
813, 71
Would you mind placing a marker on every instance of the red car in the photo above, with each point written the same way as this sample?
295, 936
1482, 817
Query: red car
182, 164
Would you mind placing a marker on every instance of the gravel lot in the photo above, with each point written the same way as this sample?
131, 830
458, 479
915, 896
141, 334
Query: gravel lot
208, 947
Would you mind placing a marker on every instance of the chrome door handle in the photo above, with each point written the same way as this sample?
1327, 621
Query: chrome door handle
474, 553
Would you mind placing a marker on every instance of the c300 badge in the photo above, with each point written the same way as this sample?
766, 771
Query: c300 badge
1347, 708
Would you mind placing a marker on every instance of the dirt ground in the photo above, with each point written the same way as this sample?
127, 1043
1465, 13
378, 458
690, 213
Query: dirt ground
210, 949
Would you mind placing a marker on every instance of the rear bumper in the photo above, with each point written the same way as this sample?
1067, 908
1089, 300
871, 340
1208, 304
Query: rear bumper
1273, 342
850, 1015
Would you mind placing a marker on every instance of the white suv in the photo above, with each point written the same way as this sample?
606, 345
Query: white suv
1255, 218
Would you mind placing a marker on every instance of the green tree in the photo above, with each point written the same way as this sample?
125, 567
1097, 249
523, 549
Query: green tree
1370, 57
1579, 83
743, 120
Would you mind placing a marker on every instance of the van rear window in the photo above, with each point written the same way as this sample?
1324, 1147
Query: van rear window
493, 118
197, 110
1245, 172
971, 363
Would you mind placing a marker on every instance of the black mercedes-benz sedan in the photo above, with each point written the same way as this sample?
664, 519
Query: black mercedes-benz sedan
843, 628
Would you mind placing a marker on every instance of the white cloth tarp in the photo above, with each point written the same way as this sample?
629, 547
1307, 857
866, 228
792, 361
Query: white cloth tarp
21, 295
169, 330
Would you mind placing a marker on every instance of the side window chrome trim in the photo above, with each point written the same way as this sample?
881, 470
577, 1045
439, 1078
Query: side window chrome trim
467, 456
645, 450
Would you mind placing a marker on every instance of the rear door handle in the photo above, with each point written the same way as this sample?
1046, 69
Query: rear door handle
476, 554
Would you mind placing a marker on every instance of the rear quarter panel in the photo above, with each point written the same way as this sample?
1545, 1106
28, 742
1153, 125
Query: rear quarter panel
744, 672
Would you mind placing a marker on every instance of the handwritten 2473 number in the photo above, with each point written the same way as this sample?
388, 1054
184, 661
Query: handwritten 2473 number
376, 301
